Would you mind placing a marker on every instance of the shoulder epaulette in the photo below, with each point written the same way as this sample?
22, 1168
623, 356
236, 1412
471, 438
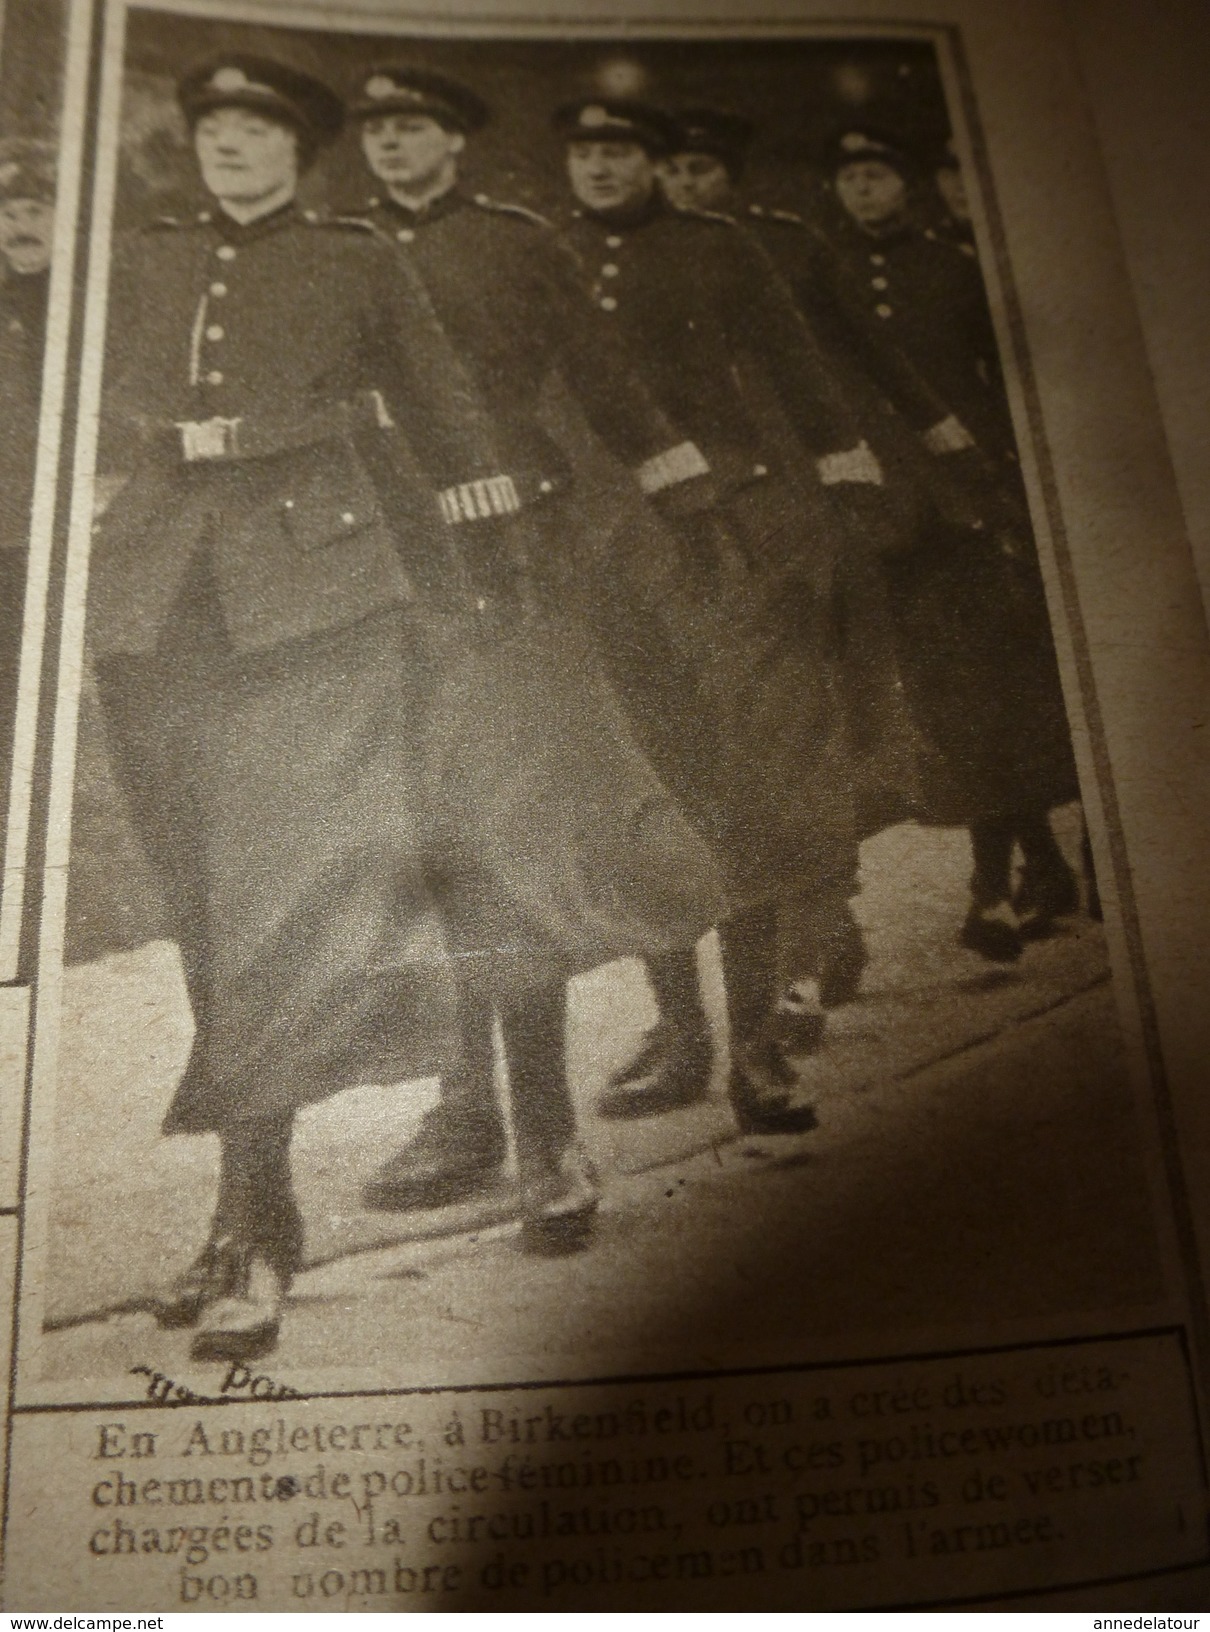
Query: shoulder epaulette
785, 218
350, 223
717, 216
501, 206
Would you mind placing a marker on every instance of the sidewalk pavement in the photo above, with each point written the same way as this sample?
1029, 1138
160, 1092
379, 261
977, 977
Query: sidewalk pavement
977, 1158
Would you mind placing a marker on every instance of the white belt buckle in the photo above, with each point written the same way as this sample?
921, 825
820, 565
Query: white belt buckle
207, 438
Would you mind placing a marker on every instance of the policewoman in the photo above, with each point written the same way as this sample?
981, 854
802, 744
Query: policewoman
690, 295
260, 666
553, 762
976, 648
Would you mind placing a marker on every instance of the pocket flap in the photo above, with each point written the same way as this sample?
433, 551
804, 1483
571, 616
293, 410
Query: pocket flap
333, 498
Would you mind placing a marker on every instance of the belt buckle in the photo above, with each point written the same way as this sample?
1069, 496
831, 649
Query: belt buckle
207, 438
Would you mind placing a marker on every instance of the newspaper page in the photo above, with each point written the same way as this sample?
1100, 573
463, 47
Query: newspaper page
601, 905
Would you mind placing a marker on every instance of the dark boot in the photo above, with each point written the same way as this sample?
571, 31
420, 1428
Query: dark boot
1048, 890
991, 928
843, 961
676, 1060
460, 1145
762, 1083
255, 1248
559, 1193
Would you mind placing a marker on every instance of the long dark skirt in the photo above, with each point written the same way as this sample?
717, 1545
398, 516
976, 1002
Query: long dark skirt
278, 796
346, 825
722, 643
981, 677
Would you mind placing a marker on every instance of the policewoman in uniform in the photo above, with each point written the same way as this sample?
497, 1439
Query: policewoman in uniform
508, 299
690, 295
912, 432
263, 673
975, 642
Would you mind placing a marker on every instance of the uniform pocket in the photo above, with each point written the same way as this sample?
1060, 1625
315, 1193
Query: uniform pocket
332, 500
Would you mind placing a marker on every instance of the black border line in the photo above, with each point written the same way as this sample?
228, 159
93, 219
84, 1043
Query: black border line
646, 29
51, 660
1161, 1096
648, 1379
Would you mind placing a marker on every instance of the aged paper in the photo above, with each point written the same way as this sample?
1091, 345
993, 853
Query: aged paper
943, 1346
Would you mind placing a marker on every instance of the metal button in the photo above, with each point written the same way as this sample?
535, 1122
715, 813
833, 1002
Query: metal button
405, 235
218, 290
289, 504
609, 270
613, 241
214, 377
225, 252
216, 331
878, 283
348, 518
608, 303
883, 309
877, 260
546, 487
481, 604
760, 470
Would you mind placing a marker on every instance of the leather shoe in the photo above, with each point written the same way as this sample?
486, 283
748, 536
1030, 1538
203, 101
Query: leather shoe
211, 1276
1042, 896
244, 1325
761, 1091
448, 1161
993, 932
672, 1068
559, 1206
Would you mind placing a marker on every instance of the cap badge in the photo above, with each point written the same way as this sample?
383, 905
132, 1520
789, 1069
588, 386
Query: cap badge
380, 87
594, 117
230, 79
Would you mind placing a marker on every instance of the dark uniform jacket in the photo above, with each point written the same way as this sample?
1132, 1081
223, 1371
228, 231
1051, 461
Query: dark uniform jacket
692, 293
507, 296
840, 315
253, 376
927, 297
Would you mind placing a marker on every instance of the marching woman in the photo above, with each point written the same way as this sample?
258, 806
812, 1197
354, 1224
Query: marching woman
280, 611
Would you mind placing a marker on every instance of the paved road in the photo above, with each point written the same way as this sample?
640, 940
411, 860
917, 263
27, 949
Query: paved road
977, 1158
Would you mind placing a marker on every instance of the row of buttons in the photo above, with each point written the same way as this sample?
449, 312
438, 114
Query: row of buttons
608, 303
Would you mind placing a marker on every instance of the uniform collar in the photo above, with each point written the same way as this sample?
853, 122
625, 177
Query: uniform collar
444, 204
652, 209
875, 242
238, 232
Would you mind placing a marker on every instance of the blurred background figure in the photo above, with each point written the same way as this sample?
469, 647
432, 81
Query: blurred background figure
974, 635
27, 206
955, 223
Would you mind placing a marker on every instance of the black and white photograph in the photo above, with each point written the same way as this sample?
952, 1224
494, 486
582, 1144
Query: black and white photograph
30, 76
575, 855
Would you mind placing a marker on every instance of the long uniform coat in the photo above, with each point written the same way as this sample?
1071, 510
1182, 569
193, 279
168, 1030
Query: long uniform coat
693, 298
271, 651
508, 298
974, 640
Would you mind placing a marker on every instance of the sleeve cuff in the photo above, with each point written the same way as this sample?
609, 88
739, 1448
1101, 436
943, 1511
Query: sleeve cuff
678, 464
854, 465
949, 435
473, 501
